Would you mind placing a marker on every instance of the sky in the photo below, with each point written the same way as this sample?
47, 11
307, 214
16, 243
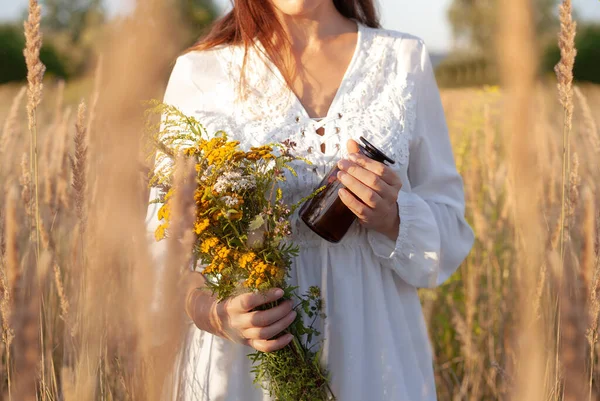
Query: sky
423, 18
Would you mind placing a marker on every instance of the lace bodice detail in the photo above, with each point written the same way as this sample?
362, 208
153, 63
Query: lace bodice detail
376, 99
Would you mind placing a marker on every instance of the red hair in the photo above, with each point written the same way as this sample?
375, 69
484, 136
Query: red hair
256, 19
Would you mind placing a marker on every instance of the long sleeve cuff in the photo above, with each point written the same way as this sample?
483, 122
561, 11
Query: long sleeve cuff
415, 253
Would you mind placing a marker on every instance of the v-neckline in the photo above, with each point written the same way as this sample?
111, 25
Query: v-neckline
338, 93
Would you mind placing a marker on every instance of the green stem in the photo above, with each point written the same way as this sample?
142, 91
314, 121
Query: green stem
300, 350
237, 233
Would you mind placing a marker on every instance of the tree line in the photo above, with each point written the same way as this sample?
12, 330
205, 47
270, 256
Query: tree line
474, 57
72, 29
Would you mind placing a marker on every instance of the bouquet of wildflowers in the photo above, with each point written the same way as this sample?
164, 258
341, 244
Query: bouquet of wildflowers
242, 239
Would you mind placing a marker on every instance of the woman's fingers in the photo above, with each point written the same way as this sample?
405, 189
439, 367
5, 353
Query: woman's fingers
271, 345
362, 211
267, 317
362, 191
257, 328
268, 332
247, 302
379, 169
365, 176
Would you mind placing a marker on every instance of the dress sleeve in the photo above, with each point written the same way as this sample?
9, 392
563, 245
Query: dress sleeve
434, 237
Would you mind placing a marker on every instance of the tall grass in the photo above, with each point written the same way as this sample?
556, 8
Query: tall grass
79, 290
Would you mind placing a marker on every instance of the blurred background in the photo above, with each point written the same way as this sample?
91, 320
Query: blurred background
459, 33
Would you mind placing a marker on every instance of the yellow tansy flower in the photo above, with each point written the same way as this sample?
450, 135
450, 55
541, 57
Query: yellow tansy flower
209, 244
164, 213
201, 225
159, 233
246, 259
223, 252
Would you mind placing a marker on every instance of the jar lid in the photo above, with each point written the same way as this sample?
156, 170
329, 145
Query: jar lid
372, 152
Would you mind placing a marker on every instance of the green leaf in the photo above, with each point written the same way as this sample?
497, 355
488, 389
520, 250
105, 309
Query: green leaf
257, 223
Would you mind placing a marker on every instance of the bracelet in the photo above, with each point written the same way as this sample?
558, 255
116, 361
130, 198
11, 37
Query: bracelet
187, 304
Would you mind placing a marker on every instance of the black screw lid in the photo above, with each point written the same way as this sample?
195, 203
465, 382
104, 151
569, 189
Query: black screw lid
373, 153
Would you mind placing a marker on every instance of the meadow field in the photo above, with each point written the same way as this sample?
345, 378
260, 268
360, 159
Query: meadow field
519, 321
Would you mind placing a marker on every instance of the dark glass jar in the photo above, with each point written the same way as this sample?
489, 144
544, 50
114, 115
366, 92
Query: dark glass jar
326, 214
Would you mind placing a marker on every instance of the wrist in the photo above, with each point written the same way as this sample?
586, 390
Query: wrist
394, 229
202, 308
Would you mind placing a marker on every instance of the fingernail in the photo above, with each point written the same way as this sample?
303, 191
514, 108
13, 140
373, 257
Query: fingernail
340, 174
343, 164
290, 337
352, 156
279, 293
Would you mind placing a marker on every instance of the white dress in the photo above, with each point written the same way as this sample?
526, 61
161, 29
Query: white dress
374, 339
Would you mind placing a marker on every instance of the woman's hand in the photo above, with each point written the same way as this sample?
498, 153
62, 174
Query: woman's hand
234, 319
377, 187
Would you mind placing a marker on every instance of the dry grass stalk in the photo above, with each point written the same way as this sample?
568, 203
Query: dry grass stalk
11, 258
44, 237
597, 245
26, 195
564, 73
573, 200
79, 166
518, 71
567, 330
11, 123
35, 68
62, 296
35, 74
26, 323
564, 69
60, 289
589, 268
10, 276
179, 248
592, 279
573, 323
465, 328
7, 334
5, 308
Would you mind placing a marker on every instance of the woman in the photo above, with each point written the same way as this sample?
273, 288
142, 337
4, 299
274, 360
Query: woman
321, 73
